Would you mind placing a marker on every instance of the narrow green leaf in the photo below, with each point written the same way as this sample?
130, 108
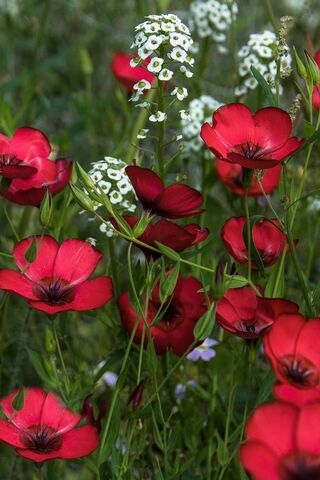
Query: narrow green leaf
168, 282
264, 85
18, 401
204, 326
168, 252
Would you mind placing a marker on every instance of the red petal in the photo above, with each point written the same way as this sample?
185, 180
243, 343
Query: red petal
259, 461
55, 415
297, 396
28, 143
64, 171
42, 266
46, 174
264, 163
4, 144
127, 75
272, 127
306, 345
188, 298
12, 281
30, 413
146, 184
233, 124
178, 201
170, 235
76, 260
37, 457
214, 142
17, 171
232, 237
79, 442
308, 428
274, 424
288, 148
200, 234
182, 337
10, 434
161, 340
89, 295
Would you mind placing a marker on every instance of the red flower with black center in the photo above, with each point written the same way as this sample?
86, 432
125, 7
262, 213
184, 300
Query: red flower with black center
283, 442
316, 88
168, 233
44, 429
176, 201
256, 141
25, 160
268, 239
293, 352
231, 175
177, 321
127, 75
56, 280
243, 313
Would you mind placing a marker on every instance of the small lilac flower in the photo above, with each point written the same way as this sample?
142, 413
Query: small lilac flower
110, 379
180, 389
203, 352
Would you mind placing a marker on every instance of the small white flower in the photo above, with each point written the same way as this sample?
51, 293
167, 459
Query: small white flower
178, 54
144, 52
180, 92
115, 197
142, 85
105, 186
240, 90
142, 133
158, 117
165, 74
96, 176
124, 186
155, 65
92, 241
114, 174
154, 42
135, 97
153, 27
134, 62
167, 27
186, 72
143, 105
184, 114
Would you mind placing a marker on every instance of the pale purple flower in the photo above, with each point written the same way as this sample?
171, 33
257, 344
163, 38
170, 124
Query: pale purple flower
110, 379
180, 389
204, 351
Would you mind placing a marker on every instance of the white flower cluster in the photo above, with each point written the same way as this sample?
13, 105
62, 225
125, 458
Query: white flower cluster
10, 7
212, 18
109, 175
163, 45
261, 51
200, 111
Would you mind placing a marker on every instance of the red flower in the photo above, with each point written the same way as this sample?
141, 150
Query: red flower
56, 280
296, 396
24, 159
230, 175
258, 141
268, 239
283, 442
44, 429
246, 315
180, 314
316, 89
127, 75
293, 351
176, 201
168, 233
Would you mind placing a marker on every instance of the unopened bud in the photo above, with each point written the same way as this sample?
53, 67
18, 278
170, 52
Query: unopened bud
219, 282
313, 70
81, 198
136, 396
300, 66
85, 178
46, 210
49, 341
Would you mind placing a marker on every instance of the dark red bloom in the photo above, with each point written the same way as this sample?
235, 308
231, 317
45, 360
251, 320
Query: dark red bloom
127, 75
292, 349
230, 175
176, 201
44, 429
283, 442
179, 316
25, 160
268, 239
246, 315
316, 88
169, 234
56, 280
256, 141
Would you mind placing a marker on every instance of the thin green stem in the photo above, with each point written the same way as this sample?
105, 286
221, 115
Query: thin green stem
13, 229
246, 208
64, 369
161, 130
268, 201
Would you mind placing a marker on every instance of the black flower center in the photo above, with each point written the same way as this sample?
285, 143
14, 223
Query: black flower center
41, 439
299, 371
54, 291
300, 467
170, 319
252, 150
8, 159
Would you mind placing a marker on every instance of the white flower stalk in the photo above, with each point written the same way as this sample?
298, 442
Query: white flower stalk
262, 51
109, 176
199, 111
212, 19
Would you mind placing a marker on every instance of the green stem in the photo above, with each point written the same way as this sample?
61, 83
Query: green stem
65, 372
113, 263
161, 130
246, 208
268, 201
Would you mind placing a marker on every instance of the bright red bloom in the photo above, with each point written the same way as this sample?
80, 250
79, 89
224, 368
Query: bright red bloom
56, 280
296, 396
283, 442
180, 314
293, 351
127, 75
25, 160
316, 89
169, 234
176, 201
268, 239
44, 429
243, 313
257, 141
230, 175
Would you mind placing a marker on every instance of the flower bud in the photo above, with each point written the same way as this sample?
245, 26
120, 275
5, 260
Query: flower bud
141, 225
300, 66
312, 69
46, 210
136, 396
85, 178
81, 198
49, 341
85, 60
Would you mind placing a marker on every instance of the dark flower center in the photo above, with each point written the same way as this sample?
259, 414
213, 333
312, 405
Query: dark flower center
54, 291
254, 329
251, 150
41, 439
300, 467
170, 319
8, 159
299, 371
